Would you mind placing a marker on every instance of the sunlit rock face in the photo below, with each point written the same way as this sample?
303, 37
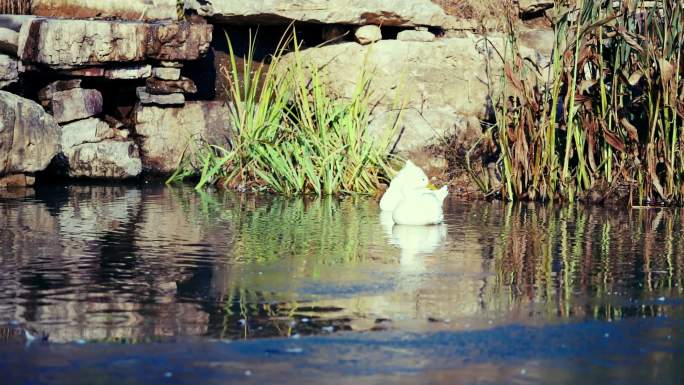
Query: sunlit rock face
166, 134
29, 137
358, 12
126, 10
64, 44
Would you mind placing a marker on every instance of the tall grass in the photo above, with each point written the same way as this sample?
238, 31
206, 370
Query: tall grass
290, 135
605, 118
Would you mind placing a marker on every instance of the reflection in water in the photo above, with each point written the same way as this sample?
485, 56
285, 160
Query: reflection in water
415, 242
138, 263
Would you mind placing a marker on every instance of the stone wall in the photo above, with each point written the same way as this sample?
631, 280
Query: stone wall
125, 88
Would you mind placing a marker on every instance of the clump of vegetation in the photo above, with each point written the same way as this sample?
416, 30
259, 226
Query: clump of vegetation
290, 135
606, 118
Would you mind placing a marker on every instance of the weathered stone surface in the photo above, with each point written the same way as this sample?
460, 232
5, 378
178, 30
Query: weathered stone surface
169, 99
9, 41
47, 92
357, 12
167, 73
66, 44
9, 71
532, 7
414, 35
125, 10
14, 22
178, 41
76, 103
87, 72
91, 130
106, 159
171, 64
161, 87
136, 71
368, 34
17, 180
443, 83
166, 132
29, 137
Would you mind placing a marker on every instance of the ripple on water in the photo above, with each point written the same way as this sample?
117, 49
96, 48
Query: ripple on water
134, 263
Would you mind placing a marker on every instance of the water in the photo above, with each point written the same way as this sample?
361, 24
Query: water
152, 284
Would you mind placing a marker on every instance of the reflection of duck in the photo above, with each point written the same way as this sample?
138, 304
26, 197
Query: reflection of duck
393, 195
419, 205
415, 241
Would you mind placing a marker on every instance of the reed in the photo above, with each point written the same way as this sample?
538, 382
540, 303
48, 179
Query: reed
606, 119
290, 135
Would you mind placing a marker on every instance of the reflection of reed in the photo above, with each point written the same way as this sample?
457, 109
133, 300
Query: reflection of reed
553, 256
304, 235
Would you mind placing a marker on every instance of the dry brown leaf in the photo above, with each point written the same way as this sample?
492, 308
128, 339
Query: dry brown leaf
614, 141
632, 131
666, 70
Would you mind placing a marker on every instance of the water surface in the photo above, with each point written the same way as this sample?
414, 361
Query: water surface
325, 290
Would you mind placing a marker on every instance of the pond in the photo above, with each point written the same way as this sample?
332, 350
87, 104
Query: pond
147, 284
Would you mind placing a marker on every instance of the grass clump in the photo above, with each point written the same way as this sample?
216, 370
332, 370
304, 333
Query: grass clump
290, 135
607, 117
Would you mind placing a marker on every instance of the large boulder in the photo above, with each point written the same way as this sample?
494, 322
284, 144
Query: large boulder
110, 159
93, 149
29, 137
166, 134
65, 44
356, 12
9, 70
443, 84
126, 10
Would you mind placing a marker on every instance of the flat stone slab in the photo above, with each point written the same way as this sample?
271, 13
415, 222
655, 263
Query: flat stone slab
136, 71
163, 100
76, 103
47, 92
91, 130
161, 87
167, 73
119, 9
67, 44
413, 35
356, 12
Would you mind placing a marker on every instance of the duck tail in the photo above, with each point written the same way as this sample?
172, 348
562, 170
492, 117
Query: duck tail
442, 193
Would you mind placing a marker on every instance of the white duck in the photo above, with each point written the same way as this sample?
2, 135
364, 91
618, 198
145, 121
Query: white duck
393, 195
419, 206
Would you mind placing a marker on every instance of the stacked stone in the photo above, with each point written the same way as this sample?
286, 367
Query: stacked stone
166, 86
87, 56
10, 66
91, 146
